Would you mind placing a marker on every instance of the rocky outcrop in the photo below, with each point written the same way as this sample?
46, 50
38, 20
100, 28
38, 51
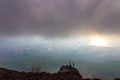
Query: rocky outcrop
66, 72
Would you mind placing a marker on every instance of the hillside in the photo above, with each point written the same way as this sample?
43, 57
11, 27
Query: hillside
67, 72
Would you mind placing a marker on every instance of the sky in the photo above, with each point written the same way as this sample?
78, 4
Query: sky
59, 18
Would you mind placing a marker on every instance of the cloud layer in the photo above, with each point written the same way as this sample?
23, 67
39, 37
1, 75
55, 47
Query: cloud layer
58, 18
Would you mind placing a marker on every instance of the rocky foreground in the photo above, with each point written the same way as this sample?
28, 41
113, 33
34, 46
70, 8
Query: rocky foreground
67, 72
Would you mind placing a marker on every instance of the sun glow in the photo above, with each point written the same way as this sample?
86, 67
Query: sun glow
98, 41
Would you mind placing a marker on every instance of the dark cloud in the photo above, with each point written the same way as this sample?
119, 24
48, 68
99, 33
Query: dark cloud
53, 18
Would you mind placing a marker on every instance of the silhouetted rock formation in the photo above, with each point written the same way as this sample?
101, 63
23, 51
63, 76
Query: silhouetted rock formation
67, 72
68, 69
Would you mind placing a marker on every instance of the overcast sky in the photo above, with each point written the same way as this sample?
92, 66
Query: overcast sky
59, 18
